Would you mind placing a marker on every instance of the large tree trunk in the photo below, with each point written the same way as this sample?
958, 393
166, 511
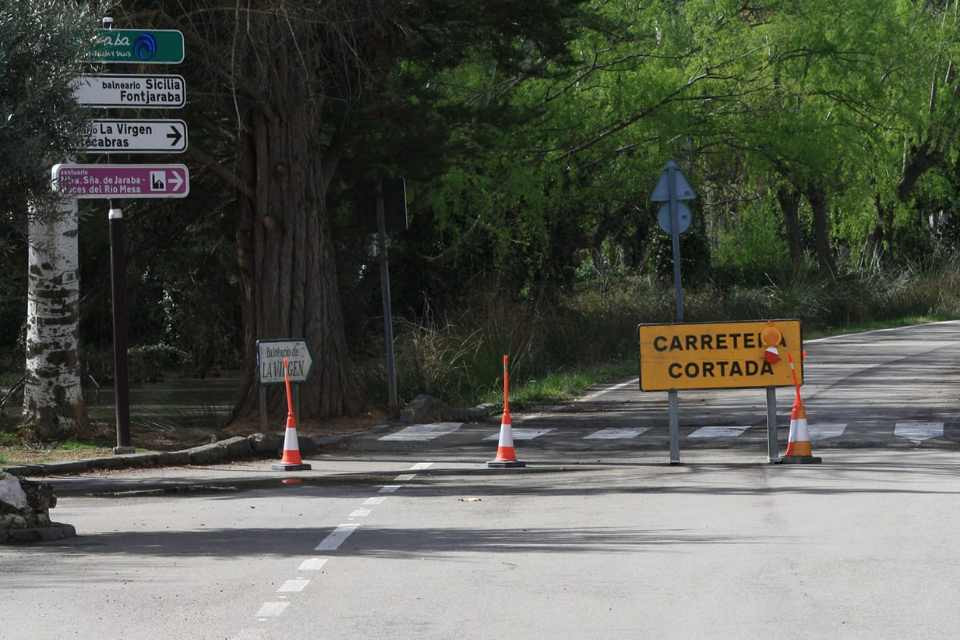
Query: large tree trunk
817, 198
789, 199
52, 397
289, 264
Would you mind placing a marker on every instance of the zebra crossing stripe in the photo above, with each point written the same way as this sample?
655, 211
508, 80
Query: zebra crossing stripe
826, 430
522, 434
616, 434
918, 431
709, 433
419, 432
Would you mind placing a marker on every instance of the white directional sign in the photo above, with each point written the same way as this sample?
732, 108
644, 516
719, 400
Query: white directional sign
270, 355
136, 136
155, 91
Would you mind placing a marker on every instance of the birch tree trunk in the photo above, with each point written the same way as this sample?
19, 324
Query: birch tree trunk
52, 396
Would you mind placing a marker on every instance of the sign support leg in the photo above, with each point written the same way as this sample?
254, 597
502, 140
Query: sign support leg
262, 401
773, 447
673, 396
118, 291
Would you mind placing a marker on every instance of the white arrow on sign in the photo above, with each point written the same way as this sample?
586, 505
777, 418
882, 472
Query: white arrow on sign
661, 192
176, 179
270, 357
136, 136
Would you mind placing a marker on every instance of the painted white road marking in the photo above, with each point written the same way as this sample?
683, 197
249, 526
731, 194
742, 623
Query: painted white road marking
822, 431
420, 432
333, 541
918, 431
360, 513
615, 434
389, 488
718, 432
597, 394
272, 609
522, 434
312, 564
374, 501
293, 586
420, 466
404, 477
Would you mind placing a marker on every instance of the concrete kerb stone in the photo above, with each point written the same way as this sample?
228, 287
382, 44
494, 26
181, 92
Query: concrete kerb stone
257, 445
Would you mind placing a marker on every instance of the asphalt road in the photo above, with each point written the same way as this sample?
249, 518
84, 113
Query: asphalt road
417, 539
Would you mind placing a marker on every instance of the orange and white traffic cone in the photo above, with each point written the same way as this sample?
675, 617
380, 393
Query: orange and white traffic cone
799, 448
506, 454
291, 460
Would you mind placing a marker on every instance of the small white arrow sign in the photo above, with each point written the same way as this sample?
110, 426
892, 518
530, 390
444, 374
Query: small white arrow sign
683, 189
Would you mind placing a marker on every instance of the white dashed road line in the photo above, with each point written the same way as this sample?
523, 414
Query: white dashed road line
616, 434
312, 564
272, 609
419, 432
522, 434
718, 432
822, 431
336, 538
332, 542
293, 586
918, 431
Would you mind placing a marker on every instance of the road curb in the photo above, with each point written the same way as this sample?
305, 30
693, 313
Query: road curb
257, 445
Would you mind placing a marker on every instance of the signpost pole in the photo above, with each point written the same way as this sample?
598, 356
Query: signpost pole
773, 447
118, 291
393, 400
673, 396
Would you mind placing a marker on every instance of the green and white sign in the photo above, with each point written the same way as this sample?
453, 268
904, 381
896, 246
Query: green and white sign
137, 46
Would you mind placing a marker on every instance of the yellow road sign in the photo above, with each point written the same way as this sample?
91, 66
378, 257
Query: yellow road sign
728, 355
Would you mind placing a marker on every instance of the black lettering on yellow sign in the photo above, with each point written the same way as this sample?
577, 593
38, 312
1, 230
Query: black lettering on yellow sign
710, 342
719, 368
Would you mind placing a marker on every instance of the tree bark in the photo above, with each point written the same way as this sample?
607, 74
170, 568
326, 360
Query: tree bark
789, 199
817, 197
52, 396
288, 262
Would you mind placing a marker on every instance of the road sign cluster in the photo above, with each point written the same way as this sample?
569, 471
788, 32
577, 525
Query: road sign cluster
113, 135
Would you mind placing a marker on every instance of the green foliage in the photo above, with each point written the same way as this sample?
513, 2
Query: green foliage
41, 42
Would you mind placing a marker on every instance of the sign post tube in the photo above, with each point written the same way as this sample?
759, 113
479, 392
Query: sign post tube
393, 399
118, 291
773, 447
673, 396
